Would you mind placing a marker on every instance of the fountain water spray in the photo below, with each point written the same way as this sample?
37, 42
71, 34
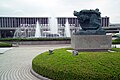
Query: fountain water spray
53, 25
37, 30
67, 29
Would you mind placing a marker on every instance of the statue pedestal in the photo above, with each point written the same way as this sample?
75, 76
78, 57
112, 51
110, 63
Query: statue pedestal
91, 42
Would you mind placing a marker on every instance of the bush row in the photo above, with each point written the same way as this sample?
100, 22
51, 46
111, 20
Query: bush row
116, 41
34, 39
3, 44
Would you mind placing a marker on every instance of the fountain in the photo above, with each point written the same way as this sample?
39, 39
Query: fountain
53, 25
20, 32
37, 30
67, 29
24, 31
53, 33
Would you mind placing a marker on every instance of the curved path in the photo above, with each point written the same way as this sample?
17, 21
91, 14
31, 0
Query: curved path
15, 64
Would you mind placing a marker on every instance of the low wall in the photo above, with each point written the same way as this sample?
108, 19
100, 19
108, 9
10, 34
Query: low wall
37, 42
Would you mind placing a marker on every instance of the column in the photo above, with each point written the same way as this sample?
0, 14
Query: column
25, 20
61, 21
20, 21
103, 22
12, 22
2, 22
32, 20
17, 22
108, 21
6, 21
9, 22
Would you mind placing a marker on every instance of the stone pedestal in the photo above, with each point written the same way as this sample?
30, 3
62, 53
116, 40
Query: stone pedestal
91, 42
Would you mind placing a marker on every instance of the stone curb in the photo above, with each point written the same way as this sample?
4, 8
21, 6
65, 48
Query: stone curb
38, 76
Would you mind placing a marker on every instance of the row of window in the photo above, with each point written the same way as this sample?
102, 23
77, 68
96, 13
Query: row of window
17, 21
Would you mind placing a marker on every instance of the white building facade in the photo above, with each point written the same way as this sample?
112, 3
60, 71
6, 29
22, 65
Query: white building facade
8, 25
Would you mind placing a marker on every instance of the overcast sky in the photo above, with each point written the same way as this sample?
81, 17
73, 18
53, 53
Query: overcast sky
59, 8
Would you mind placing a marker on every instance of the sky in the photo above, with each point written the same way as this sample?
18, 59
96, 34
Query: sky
59, 8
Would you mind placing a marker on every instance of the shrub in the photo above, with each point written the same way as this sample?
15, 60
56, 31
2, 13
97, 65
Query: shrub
34, 39
61, 65
3, 44
116, 49
116, 41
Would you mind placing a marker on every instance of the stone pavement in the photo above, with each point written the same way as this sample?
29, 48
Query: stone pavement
15, 64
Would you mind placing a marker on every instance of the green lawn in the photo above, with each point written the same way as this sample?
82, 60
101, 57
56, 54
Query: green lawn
3, 44
116, 49
62, 65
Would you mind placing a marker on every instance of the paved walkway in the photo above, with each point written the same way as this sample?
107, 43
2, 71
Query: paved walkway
3, 50
15, 64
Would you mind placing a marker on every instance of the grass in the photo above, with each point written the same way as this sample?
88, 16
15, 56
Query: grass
61, 65
3, 44
116, 49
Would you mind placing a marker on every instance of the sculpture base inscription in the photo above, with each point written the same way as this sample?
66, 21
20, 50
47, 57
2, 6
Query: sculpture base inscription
91, 42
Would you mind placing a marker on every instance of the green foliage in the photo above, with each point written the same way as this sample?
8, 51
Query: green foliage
34, 39
116, 49
114, 36
62, 65
3, 44
116, 41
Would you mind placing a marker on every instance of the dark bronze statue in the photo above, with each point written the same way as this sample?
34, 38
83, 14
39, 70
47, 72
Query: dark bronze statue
90, 22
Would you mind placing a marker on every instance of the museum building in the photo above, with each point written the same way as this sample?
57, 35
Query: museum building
8, 25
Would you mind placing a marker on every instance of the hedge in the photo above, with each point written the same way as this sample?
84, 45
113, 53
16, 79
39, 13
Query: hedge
3, 44
34, 39
116, 41
62, 65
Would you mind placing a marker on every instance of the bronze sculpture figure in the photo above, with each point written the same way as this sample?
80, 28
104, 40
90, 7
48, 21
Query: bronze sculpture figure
90, 22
